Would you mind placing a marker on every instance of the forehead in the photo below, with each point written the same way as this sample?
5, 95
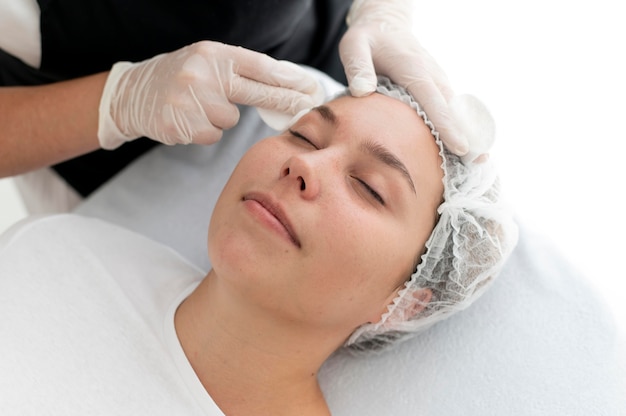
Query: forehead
379, 115
387, 121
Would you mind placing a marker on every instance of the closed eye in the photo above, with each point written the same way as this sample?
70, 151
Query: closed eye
371, 191
301, 137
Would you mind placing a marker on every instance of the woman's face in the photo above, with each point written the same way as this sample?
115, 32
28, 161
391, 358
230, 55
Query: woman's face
322, 224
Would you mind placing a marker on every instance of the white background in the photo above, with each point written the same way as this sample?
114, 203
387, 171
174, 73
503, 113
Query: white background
552, 73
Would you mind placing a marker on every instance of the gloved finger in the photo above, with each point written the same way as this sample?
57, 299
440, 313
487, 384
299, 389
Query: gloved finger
201, 95
220, 113
221, 116
180, 126
475, 120
356, 56
267, 70
423, 78
208, 136
438, 112
194, 114
482, 158
284, 100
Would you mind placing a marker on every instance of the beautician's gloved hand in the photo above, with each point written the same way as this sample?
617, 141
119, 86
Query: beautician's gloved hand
379, 41
189, 95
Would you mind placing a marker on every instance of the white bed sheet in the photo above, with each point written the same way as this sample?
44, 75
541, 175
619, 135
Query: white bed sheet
540, 342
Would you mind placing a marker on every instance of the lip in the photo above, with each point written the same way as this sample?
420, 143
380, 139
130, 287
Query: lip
270, 212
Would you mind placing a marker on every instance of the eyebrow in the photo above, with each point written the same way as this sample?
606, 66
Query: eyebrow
327, 114
377, 150
382, 154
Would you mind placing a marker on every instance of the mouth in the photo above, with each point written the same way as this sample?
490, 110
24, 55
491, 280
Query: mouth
271, 214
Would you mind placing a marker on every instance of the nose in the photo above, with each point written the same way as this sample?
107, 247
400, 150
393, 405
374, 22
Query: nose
301, 171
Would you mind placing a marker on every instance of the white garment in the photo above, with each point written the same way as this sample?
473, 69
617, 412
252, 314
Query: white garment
87, 322
44, 192
19, 25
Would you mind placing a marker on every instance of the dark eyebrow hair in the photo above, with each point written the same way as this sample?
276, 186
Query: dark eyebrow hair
327, 114
377, 150
382, 154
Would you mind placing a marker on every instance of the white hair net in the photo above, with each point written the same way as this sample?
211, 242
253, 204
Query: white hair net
473, 237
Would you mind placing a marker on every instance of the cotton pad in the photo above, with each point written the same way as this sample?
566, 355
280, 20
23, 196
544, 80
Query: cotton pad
474, 119
281, 121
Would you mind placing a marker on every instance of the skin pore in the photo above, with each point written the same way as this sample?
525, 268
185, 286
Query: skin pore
313, 235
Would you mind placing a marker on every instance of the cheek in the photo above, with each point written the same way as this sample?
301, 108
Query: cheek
354, 277
363, 250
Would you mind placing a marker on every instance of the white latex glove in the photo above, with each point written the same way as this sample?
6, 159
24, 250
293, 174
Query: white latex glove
189, 95
379, 40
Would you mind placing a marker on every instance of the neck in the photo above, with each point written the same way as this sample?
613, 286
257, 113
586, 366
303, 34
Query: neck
249, 361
